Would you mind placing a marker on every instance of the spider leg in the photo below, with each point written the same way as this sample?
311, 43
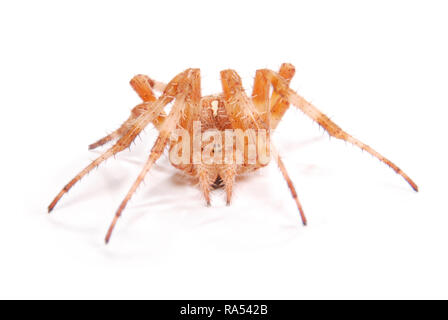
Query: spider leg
140, 123
204, 181
142, 85
242, 112
277, 105
245, 114
124, 128
119, 146
281, 86
228, 173
261, 106
112, 136
285, 174
156, 85
260, 93
184, 95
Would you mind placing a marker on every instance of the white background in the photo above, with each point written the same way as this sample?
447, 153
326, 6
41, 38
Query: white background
378, 68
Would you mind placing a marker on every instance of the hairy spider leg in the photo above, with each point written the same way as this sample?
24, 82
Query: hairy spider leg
153, 111
243, 115
228, 172
142, 85
272, 108
156, 85
281, 86
278, 104
291, 187
183, 92
260, 95
202, 172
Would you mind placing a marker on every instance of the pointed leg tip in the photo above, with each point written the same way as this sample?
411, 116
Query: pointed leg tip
107, 238
208, 204
228, 203
108, 235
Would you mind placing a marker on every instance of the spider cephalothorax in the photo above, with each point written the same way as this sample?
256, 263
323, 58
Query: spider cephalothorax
211, 137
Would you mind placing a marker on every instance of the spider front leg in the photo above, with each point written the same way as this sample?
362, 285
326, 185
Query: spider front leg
240, 109
153, 110
228, 173
276, 105
186, 92
119, 146
255, 113
281, 86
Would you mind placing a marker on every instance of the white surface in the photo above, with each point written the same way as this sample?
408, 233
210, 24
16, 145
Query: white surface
378, 69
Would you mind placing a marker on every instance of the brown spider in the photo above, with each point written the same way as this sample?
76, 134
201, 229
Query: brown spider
230, 110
